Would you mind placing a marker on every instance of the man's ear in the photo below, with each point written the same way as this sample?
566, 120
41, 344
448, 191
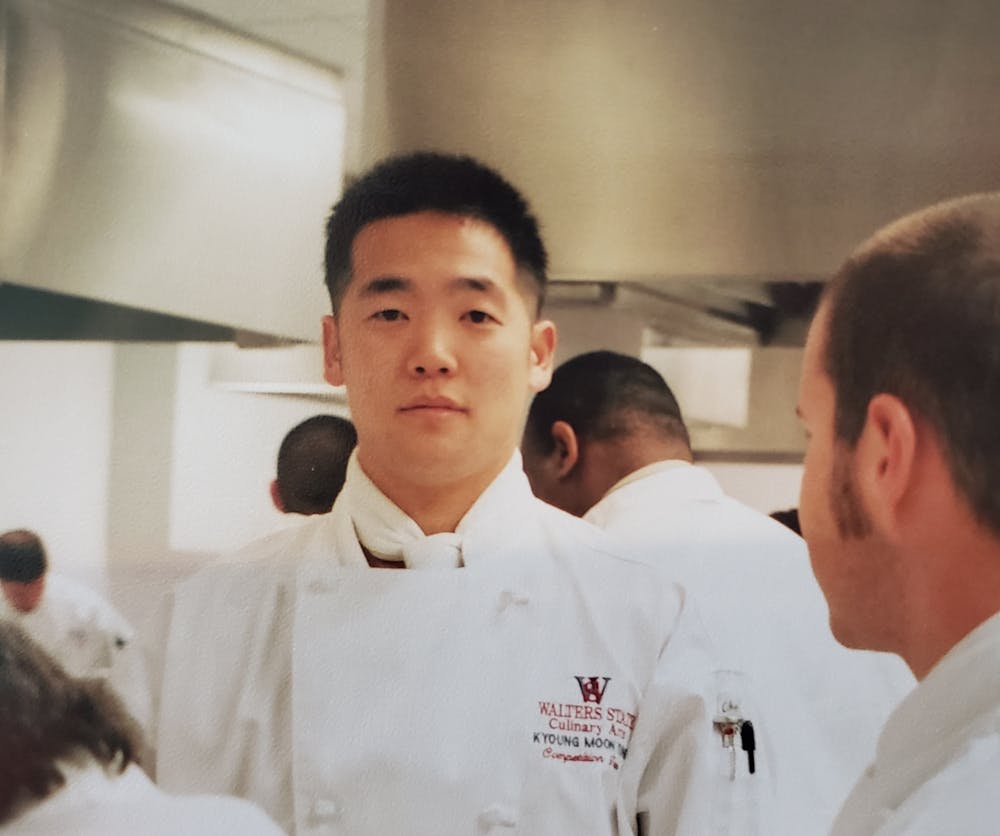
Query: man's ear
332, 368
885, 457
543, 350
567, 452
279, 503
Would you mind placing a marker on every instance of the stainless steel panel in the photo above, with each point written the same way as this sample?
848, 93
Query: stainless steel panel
153, 160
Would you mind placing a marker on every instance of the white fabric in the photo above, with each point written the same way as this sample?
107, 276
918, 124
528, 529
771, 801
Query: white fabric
817, 707
362, 701
388, 533
88, 637
95, 803
939, 756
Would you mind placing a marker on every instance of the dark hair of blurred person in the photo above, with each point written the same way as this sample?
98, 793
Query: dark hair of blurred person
47, 717
604, 416
788, 517
312, 464
23, 564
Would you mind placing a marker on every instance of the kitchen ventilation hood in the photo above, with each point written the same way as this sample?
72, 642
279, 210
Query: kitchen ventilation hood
664, 140
161, 177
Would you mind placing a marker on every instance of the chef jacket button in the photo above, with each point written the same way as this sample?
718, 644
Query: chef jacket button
508, 597
325, 809
497, 815
317, 586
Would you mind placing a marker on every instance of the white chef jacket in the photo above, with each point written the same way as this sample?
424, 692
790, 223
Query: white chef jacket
94, 802
88, 638
816, 707
546, 687
936, 768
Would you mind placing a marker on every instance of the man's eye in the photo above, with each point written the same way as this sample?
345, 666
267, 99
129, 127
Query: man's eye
479, 317
388, 315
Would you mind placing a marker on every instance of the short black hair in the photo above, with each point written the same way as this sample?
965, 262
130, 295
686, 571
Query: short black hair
915, 313
602, 395
47, 716
430, 181
788, 517
22, 556
312, 463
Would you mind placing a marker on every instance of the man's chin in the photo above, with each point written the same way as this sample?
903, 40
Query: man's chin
851, 635
439, 465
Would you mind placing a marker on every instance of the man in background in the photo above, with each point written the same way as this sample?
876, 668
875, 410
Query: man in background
607, 441
312, 465
900, 504
82, 631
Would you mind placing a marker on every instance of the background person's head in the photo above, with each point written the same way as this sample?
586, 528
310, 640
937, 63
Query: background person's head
435, 182
604, 416
900, 394
312, 464
48, 718
23, 564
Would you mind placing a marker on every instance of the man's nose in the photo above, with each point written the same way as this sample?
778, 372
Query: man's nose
432, 353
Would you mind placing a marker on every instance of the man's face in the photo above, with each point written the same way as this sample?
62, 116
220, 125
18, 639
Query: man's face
24, 597
438, 348
852, 568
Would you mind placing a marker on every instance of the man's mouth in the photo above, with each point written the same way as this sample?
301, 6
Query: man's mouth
435, 404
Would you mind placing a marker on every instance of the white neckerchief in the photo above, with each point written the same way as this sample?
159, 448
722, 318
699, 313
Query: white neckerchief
389, 533
386, 531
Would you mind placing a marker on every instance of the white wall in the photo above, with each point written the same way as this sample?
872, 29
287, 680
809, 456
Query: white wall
132, 467
190, 471
224, 450
55, 437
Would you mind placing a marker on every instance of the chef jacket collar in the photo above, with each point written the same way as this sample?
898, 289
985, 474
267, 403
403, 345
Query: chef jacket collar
648, 470
929, 721
675, 478
389, 533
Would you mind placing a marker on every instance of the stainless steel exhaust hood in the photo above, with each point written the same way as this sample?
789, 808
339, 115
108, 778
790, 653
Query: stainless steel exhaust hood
668, 139
171, 171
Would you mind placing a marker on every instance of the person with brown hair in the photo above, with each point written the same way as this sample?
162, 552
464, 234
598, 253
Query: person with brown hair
68, 766
900, 504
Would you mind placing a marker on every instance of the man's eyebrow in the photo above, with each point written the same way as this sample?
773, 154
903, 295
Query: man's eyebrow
476, 283
384, 284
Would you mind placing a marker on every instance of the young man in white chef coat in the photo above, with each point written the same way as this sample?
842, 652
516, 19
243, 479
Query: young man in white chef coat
900, 505
442, 653
606, 440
